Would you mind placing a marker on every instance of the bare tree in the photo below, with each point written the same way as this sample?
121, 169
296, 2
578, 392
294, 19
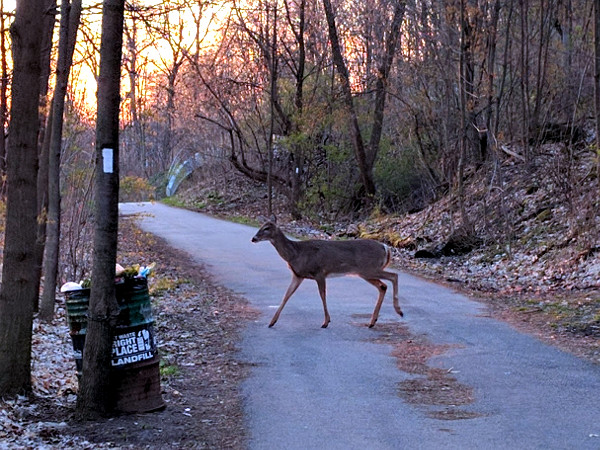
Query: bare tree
69, 22
365, 156
366, 171
169, 64
44, 137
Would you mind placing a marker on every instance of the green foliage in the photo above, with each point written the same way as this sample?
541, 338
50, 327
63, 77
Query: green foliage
173, 201
168, 370
135, 189
159, 181
214, 198
332, 185
77, 177
245, 220
161, 285
187, 203
396, 176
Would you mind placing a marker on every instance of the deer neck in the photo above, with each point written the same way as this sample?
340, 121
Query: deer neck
284, 246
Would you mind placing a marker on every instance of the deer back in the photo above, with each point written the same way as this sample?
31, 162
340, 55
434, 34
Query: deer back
323, 258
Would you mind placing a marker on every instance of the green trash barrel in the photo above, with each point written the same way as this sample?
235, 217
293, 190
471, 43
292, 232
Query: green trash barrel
77, 313
135, 372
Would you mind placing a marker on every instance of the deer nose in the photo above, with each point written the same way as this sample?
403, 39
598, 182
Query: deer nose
254, 239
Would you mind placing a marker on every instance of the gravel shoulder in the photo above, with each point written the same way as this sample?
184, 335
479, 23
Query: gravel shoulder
197, 325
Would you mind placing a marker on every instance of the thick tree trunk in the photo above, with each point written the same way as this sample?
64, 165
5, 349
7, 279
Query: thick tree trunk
19, 285
95, 393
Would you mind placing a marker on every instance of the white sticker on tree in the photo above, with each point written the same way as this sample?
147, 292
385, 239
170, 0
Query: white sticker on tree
107, 160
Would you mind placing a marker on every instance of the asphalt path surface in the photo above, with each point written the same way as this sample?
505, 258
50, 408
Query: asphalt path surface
334, 388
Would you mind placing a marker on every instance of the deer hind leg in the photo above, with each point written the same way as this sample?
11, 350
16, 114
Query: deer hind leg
296, 281
382, 288
393, 278
322, 291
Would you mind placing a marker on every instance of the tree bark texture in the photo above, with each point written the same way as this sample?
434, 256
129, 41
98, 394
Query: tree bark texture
3, 96
19, 285
597, 79
95, 397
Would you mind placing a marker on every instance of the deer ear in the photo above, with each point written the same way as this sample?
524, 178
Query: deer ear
265, 219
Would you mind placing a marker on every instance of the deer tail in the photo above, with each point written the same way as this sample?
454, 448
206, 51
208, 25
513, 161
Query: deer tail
388, 255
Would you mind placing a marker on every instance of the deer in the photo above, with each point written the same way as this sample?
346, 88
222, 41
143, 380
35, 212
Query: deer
317, 259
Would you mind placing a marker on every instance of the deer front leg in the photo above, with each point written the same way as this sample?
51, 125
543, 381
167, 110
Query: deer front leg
382, 288
296, 281
322, 291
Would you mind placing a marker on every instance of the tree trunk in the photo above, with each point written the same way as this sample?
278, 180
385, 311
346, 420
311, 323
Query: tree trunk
463, 81
298, 148
95, 393
42, 202
597, 79
18, 291
69, 22
469, 29
366, 170
382, 80
3, 98
43, 139
524, 66
492, 100
272, 111
137, 121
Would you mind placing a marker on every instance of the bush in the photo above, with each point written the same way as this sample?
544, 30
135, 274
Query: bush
135, 189
331, 182
401, 183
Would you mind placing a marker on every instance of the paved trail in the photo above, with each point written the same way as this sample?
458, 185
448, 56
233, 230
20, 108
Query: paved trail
313, 388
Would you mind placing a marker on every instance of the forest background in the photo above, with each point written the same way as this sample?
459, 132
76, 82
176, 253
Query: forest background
441, 92
435, 126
